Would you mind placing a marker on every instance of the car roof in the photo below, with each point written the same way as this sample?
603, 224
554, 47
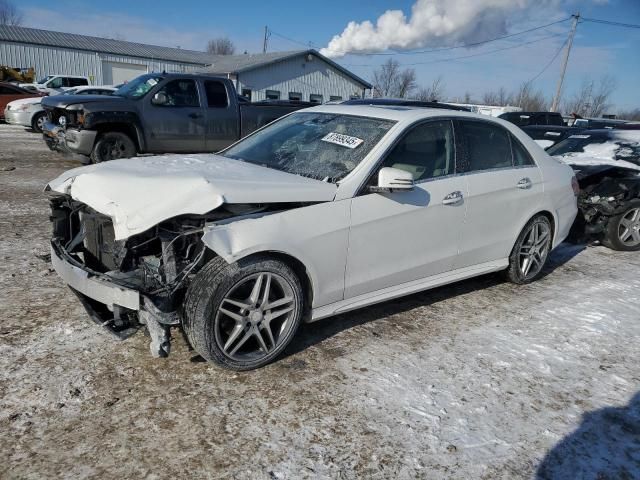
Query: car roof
403, 102
400, 113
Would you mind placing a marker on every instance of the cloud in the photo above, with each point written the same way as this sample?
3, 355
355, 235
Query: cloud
115, 25
433, 23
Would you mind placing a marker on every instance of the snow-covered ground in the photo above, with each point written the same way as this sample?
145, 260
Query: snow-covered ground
481, 379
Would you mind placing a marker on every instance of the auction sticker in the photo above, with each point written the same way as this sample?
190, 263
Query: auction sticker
342, 140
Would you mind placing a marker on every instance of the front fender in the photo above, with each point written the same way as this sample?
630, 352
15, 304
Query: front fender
317, 236
94, 120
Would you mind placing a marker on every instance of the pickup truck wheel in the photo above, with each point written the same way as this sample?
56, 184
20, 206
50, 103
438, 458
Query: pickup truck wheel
243, 315
531, 251
623, 230
37, 122
111, 146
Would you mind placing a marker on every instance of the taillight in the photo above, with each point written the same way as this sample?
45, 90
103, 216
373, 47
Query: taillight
575, 186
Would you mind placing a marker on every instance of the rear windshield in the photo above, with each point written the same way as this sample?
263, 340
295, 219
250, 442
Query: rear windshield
576, 143
324, 146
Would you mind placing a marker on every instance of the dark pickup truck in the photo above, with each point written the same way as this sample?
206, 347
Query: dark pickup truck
157, 113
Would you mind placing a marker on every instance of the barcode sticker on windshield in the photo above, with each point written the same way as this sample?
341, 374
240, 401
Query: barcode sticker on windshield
342, 140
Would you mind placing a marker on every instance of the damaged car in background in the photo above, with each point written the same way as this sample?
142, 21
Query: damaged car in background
607, 166
321, 212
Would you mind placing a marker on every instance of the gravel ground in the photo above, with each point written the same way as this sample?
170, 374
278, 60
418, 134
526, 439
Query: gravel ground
482, 379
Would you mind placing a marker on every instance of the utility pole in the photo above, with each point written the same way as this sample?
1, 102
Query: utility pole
266, 39
563, 70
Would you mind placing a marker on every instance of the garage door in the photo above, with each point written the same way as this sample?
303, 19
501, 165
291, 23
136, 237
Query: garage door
115, 73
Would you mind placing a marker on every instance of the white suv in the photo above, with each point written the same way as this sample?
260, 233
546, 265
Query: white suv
57, 83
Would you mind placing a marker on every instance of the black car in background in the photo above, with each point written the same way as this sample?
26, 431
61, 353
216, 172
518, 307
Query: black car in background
607, 166
523, 119
551, 133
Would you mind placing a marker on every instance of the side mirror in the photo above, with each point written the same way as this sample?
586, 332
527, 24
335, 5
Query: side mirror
394, 179
159, 98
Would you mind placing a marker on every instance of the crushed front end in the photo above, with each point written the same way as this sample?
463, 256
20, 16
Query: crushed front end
604, 193
127, 283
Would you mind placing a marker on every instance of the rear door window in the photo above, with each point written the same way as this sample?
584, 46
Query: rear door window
77, 82
216, 94
485, 146
521, 156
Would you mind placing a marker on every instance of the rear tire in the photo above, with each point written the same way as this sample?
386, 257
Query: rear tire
531, 251
623, 231
37, 121
112, 146
243, 315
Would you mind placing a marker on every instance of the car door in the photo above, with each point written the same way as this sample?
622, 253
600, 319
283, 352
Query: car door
398, 237
221, 116
9, 94
177, 125
503, 185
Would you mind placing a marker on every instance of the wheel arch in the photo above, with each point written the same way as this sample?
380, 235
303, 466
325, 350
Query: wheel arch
129, 129
549, 215
300, 269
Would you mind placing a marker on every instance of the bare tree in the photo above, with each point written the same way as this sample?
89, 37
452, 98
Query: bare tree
467, 97
434, 92
497, 98
406, 83
629, 114
391, 81
9, 14
601, 95
530, 100
221, 46
591, 99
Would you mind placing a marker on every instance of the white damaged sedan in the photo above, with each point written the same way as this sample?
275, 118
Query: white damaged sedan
323, 211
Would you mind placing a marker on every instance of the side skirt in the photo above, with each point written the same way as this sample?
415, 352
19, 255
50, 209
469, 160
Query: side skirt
408, 288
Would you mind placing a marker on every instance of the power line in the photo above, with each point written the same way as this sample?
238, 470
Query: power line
466, 45
309, 44
608, 22
549, 64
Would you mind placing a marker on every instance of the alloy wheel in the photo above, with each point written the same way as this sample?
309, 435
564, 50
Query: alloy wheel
629, 228
534, 249
255, 316
40, 122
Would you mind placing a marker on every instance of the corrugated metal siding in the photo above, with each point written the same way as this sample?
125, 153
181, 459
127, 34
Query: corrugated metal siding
48, 38
53, 60
299, 75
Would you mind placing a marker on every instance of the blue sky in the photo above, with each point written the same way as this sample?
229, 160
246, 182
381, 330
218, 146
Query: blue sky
598, 49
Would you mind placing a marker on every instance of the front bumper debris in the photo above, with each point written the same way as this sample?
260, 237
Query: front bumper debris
109, 305
53, 135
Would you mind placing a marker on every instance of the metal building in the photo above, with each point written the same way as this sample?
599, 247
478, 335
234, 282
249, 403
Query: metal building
298, 75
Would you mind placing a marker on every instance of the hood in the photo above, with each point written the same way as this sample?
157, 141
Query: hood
63, 101
139, 193
25, 101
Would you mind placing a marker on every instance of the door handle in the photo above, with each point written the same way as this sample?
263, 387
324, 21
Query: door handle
195, 115
525, 183
453, 199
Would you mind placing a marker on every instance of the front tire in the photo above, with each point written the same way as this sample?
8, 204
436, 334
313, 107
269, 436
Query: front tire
37, 122
112, 146
531, 251
243, 315
623, 231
